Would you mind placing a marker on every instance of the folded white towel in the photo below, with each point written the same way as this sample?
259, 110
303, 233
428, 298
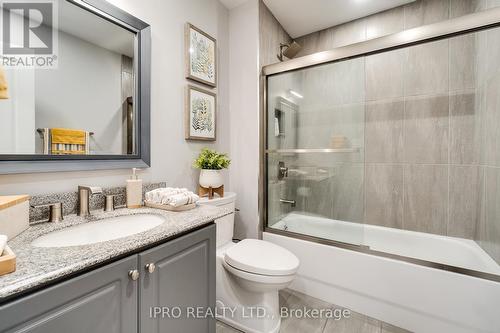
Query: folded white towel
3, 242
171, 196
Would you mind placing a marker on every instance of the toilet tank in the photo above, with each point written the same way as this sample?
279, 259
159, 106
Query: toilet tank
225, 225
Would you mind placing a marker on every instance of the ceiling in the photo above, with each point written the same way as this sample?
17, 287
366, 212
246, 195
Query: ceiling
82, 24
301, 17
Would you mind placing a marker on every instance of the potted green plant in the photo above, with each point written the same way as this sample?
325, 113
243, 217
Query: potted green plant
211, 164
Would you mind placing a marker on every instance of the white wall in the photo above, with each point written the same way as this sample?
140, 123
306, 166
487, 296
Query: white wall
171, 155
244, 115
17, 113
83, 93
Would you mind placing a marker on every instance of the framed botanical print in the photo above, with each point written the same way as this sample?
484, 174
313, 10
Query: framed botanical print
201, 112
201, 56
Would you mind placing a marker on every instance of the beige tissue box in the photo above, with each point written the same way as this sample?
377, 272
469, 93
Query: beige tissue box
14, 215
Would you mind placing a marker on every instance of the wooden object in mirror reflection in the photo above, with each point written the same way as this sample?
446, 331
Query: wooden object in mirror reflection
64, 141
14, 214
7, 261
210, 191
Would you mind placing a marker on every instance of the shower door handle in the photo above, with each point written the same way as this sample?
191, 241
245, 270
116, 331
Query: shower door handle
286, 201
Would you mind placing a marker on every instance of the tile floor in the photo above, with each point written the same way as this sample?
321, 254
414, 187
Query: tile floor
356, 323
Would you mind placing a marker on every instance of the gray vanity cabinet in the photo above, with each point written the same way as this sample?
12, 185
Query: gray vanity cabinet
182, 285
116, 298
101, 301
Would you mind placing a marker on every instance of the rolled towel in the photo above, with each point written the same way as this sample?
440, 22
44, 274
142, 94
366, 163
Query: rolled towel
3, 242
182, 199
167, 198
172, 196
162, 195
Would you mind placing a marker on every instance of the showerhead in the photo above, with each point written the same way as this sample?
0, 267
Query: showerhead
289, 50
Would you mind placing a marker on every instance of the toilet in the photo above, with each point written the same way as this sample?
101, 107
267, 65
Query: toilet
249, 275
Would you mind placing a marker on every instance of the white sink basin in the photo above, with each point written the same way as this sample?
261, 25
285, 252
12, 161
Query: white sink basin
101, 231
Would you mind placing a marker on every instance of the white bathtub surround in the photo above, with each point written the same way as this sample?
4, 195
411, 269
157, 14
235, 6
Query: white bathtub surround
414, 297
211, 178
459, 252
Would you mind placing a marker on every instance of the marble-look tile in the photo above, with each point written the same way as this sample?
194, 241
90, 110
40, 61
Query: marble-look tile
463, 7
465, 134
462, 62
387, 328
384, 131
333, 85
426, 69
316, 129
333, 37
355, 323
491, 241
488, 53
492, 3
274, 206
491, 119
284, 295
426, 129
425, 198
220, 327
384, 195
348, 196
384, 75
309, 43
480, 235
271, 35
293, 324
385, 23
424, 12
319, 202
348, 33
464, 189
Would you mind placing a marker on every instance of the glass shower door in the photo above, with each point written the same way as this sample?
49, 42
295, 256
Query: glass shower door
314, 152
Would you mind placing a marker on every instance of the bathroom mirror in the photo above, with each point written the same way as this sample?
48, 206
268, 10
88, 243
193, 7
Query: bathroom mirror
85, 103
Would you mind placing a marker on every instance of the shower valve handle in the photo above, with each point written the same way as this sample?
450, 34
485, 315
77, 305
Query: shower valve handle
282, 170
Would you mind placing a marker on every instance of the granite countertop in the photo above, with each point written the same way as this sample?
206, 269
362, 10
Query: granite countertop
37, 266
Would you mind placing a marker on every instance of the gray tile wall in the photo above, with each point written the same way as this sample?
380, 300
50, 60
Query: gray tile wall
428, 128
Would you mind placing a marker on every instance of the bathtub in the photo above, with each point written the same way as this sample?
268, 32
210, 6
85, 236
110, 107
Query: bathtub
411, 296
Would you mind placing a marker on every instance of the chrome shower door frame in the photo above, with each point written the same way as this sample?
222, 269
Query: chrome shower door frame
442, 30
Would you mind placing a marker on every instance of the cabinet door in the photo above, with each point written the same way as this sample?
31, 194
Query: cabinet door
101, 301
183, 279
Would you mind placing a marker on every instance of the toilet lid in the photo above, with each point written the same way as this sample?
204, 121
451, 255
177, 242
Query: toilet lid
261, 257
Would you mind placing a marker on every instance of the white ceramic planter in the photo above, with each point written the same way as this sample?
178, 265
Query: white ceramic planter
211, 178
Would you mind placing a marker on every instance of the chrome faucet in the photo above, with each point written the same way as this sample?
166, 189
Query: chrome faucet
84, 195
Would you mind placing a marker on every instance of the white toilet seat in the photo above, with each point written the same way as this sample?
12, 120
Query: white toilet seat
258, 257
259, 278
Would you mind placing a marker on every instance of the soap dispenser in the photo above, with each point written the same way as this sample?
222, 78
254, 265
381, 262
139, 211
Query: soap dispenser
134, 190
